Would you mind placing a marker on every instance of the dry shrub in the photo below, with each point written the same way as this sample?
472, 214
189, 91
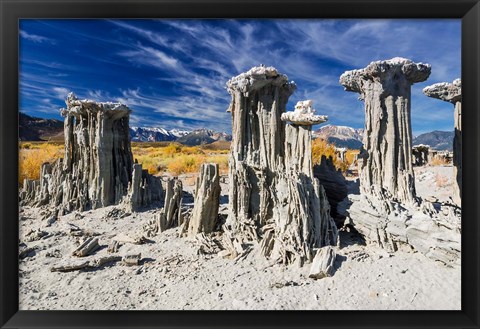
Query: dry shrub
321, 147
350, 156
150, 144
439, 161
152, 164
32, 157
191, 150
172, 149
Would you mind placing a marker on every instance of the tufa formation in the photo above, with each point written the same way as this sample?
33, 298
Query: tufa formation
274, 198
452, 92
96, 170
385, 86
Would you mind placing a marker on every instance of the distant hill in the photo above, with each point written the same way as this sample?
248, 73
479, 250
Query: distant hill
38, 129
341, 136
437, 140
203, 136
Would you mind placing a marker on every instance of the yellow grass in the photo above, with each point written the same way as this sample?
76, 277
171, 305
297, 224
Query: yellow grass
160, 157
33, 155
176, 158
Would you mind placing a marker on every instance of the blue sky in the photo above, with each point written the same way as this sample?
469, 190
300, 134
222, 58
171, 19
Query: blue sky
172, 73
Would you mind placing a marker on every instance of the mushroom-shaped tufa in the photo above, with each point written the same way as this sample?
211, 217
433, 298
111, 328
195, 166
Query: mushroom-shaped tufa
304, 115
448, 92
385, 70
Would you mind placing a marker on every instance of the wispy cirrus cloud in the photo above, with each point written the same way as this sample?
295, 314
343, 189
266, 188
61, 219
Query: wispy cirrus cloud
172, 73
61, 92
35, 38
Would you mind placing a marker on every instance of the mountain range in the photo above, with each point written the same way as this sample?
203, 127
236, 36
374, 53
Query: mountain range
343, 136
340, 136
38, 129
437, 140
143, 134
191, 138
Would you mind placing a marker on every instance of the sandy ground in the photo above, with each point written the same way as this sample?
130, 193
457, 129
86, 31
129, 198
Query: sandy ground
434, 182
173, 276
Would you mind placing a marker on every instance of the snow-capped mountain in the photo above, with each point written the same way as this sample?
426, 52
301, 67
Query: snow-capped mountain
204, 136
341, 136
179, 133
155, 134
195, 137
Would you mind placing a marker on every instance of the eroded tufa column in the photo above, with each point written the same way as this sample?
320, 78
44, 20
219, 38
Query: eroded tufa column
385, 87
96, 170
305, 216
452, 92
274, 198
259, 98
97, 151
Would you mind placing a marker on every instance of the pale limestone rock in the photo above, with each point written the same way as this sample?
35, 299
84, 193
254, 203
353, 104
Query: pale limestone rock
323, 264
393, 226
387, 212
452, 92
171, 213
207, 197
259, 98
88, 246
144, 188
341, 153
304, 114
274, 197
385, 88
445, 91
97, 166
420, 155
333, 182
131, 260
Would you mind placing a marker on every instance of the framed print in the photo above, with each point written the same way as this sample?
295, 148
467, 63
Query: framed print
239, 164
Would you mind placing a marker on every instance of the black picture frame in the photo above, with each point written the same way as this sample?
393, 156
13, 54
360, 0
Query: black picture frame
12, 10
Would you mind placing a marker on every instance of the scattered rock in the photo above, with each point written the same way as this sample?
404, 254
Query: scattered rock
87, 247
207, 193
35, 235
323, 264
113, 246
123, 238
27, 252
131, 260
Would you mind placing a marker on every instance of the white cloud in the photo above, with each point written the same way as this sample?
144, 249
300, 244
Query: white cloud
61, 93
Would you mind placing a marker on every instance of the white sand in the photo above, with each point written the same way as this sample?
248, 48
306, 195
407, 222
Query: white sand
367, 278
